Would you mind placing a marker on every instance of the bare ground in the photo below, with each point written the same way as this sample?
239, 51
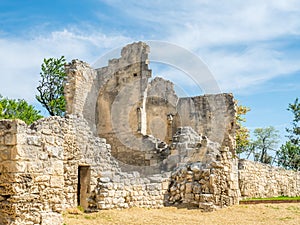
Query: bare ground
286, 213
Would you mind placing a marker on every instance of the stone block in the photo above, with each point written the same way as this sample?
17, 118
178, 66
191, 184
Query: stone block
56, 181
34, 140
104, 179
5, 154
12, 167
6, 177
111, 193
1, 139
207, 206
10, 139
165, 185
48, 218
46, 131
42, 178
58, 168
7, 189
188, 188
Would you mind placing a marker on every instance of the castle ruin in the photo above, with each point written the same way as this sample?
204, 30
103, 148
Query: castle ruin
128, 140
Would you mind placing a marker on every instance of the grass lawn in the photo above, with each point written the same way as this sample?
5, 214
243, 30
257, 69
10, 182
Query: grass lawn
273, 198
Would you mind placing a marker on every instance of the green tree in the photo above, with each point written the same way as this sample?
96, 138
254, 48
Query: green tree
242, 133
294, 132
288, 156
18, 109
51, 88
266, 140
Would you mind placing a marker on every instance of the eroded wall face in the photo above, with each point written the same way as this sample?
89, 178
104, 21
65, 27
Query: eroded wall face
31, 175
118, 118
39, 173
39, 167
210, 115
161, 109
122, 106
258, 180
203, 175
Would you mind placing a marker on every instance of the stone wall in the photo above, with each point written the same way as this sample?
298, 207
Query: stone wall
40, 170
40, 173
39, 167
257, 180
121, 106
31, 176
206, 176
161, 109
125, 190
210, 115
85, 85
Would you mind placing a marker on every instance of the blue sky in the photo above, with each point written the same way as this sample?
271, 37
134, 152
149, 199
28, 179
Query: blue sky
251, 47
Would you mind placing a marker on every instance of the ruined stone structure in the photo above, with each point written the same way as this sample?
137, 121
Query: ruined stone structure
121, 105
128, 142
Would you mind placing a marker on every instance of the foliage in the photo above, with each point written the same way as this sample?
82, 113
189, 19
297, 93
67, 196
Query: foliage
242, 133
18, 109
51, 88
281, 198
294, 132
266, 141
289, 154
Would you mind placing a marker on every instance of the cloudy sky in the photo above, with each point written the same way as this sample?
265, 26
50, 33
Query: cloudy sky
251, 47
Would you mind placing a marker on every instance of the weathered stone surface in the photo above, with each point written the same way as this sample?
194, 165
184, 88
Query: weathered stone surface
122, 106
202, 184
45, 167
104, 179
260, 180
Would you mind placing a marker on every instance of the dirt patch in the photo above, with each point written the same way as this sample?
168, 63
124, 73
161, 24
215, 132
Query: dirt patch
286, 213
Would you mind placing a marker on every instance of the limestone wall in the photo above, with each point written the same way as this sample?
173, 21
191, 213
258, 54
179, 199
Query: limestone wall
85, 85
31, 176
125, 190
262, 180
210, 115
161, 109
40, 171
206, 176
39, 167
121, 106
79, 90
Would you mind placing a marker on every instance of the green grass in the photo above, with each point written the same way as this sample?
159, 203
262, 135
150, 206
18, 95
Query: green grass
80, 208
273, 198
90, 217
272, 207
293, 208
286, 218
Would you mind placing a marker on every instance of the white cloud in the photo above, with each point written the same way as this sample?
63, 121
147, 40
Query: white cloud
20, 59
244, 72
194, 24
211, 29
207, 27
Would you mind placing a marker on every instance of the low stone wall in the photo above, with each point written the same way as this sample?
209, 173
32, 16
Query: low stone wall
207, 186
126, 190
262, 180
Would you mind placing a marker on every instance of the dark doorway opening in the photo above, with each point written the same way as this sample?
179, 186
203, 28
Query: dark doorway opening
83, 188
